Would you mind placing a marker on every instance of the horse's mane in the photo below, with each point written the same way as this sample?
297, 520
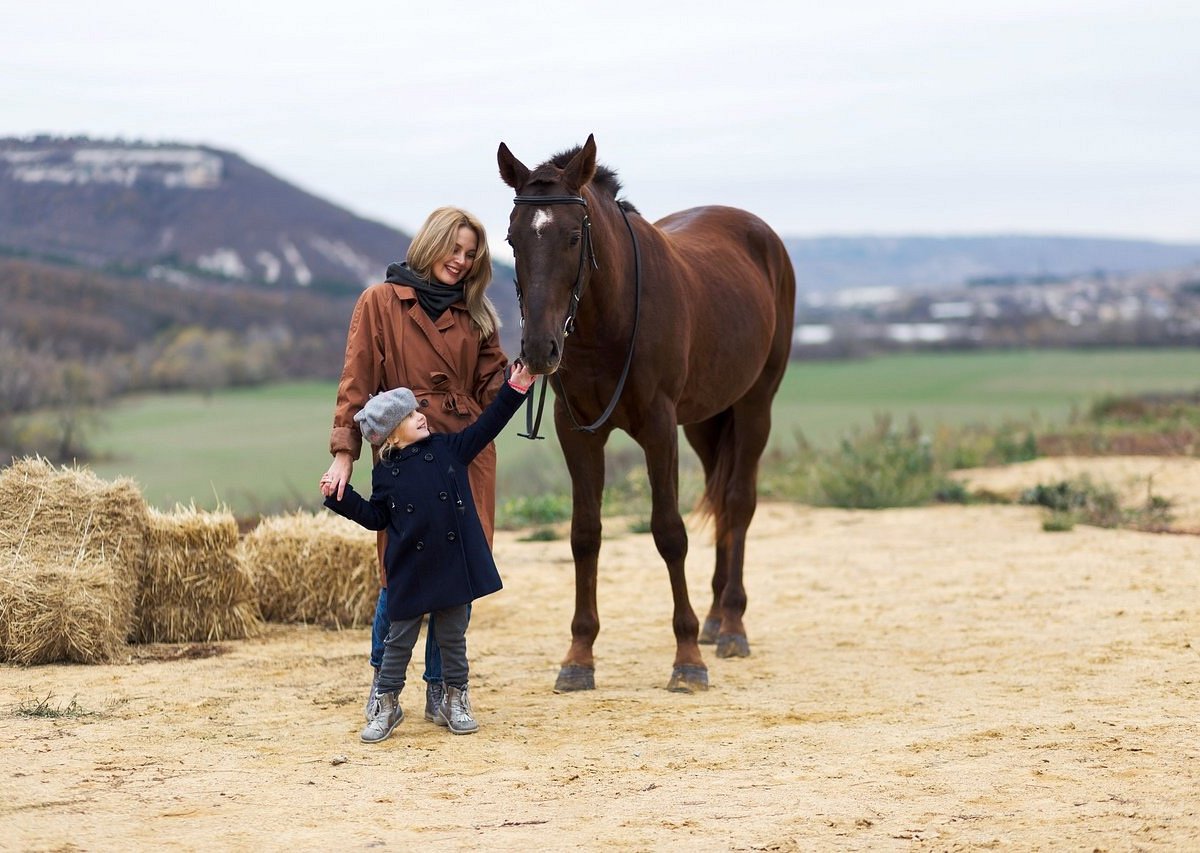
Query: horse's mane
605, 178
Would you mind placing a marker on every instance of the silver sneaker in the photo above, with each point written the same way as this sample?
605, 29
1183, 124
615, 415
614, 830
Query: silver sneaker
434, 691
388, 715
372, 699
456, 711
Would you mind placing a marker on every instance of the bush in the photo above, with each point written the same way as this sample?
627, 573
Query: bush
1084, 502
530, 510
881, 467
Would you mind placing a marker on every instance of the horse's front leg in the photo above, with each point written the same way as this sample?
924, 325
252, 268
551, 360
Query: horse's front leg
660, 441
584, 455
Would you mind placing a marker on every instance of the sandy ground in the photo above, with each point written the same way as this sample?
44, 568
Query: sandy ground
948, 678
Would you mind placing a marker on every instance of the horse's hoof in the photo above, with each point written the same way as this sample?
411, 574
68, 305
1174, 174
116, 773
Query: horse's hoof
688, 679
574, 677
708, 634
733, 646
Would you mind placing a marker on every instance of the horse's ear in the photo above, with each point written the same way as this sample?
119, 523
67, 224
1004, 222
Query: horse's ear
512, 170
582, 166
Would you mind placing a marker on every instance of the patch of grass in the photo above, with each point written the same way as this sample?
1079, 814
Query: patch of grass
881, 466
981, 445
181, 447
1149, 424
541, 534
43, 708
1084, 502
1058, 522
530, 510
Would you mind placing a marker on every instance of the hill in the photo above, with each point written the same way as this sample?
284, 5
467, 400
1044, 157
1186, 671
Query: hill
170, 210
186, 215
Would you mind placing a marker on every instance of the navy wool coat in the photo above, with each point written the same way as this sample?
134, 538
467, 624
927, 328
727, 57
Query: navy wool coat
437, 555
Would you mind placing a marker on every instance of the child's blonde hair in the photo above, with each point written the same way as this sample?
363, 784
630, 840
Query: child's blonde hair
388, 447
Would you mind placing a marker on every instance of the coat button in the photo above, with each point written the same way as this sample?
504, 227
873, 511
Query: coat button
450, 536
442, 496
408, 508
420, 546
428, 457
395, 472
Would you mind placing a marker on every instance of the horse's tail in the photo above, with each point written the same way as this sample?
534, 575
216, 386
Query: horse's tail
718, 476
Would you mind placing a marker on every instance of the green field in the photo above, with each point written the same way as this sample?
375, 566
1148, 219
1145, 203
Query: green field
262, 450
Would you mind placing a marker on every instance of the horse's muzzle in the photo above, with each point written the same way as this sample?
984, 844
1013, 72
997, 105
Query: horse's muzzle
542, 356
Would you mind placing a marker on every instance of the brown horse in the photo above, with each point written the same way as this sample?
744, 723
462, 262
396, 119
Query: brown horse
688, 321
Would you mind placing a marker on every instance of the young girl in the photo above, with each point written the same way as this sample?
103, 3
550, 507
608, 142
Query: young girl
431, 328
438, 559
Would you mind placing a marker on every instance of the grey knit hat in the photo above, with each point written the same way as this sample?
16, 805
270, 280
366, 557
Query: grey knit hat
383, 413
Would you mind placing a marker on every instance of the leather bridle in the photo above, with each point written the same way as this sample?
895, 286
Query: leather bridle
587, 252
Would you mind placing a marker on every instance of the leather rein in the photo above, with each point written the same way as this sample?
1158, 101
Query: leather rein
587, 251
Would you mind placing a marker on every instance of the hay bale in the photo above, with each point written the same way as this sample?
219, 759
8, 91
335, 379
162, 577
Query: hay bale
71, 548
51, 612
313, 568
194, 589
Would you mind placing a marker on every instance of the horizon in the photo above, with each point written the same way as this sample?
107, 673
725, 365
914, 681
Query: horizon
502, 252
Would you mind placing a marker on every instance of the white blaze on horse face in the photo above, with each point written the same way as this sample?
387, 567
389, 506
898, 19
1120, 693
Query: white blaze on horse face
541, 218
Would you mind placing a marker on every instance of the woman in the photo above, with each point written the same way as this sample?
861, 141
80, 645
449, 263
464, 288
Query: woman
429, 327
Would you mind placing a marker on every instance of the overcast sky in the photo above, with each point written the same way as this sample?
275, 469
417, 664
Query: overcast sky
915, 117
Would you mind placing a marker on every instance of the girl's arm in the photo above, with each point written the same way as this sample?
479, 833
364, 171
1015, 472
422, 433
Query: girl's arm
468, 442
373, 514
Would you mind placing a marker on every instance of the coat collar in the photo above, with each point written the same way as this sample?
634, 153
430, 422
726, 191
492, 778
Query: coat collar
432, 329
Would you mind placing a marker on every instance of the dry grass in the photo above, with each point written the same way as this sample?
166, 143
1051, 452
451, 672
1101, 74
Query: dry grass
310, 568
71, 552
195, 588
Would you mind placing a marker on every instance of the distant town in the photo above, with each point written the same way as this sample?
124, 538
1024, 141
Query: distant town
1159, 308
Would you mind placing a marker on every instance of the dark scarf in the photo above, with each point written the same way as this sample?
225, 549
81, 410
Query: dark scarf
434, 298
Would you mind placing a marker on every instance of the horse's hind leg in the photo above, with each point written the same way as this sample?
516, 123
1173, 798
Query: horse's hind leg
734, 442
704, 437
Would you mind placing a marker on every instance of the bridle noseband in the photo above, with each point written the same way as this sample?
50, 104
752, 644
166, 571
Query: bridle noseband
586, 251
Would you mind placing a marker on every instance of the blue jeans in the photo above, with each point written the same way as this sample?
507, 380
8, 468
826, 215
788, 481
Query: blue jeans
379, 632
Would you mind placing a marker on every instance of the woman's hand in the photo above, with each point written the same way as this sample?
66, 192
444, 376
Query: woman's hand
335, 479
520, 378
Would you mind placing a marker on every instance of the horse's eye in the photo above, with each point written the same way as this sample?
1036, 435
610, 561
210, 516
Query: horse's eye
575, 238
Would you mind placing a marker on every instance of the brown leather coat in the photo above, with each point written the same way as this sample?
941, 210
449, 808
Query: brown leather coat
453, 374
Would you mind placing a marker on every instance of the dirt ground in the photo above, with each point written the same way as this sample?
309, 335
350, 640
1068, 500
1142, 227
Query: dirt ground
947, 678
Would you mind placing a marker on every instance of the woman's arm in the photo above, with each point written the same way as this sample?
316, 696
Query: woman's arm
489, 370
362, 375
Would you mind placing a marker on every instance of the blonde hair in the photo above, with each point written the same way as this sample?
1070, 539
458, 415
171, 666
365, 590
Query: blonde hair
436, 240
389, 447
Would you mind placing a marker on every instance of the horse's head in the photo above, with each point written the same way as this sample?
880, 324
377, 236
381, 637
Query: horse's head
549, 232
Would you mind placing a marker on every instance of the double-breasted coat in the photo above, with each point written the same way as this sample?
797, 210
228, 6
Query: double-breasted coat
392, 343
437, 554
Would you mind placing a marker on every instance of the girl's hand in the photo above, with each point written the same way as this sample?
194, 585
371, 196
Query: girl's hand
520, 378
335, 479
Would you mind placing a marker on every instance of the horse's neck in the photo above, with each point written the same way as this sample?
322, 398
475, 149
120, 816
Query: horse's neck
607, 307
